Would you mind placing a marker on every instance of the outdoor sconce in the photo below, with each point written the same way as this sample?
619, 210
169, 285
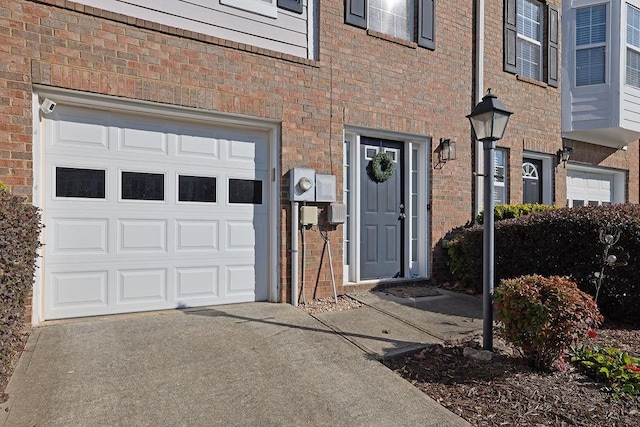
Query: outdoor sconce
446, 150
564, 154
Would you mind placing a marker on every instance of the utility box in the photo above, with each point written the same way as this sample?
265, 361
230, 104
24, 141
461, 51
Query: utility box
302, 185
325, 188
309, 215
337, 213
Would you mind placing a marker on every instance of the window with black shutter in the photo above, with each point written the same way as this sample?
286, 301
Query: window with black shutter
395, 19
531, 36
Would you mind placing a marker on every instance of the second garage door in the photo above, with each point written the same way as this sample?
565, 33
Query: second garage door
146, 213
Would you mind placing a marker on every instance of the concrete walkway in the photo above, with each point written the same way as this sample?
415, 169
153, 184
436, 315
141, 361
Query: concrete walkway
256, 364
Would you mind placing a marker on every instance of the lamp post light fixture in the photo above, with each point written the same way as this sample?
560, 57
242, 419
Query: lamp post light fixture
489, 121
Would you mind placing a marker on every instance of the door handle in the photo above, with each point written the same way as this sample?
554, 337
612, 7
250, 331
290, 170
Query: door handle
402, 215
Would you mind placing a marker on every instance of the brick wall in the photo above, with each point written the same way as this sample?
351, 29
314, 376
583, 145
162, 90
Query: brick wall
360, 80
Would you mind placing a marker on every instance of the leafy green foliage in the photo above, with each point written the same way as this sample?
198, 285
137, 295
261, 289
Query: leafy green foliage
2, 186
619, 371
508, 211
544, 316
19, 242
559, 242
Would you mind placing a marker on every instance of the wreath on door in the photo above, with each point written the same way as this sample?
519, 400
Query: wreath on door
381, 167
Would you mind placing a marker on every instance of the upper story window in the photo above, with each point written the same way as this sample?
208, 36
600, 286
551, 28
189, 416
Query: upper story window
391, 17
395, 18
528, 24
529, 45
591, 38
265, 7
633, 46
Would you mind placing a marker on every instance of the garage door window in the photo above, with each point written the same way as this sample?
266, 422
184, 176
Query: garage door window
196, 189
245, 191
82, 183
142, 186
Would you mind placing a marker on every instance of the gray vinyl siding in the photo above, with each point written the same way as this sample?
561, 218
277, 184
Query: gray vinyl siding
286, 34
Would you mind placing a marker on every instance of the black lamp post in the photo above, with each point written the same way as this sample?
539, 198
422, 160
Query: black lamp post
489, 120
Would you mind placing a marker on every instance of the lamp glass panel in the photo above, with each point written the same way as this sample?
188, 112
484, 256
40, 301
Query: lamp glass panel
500, 124
482, 124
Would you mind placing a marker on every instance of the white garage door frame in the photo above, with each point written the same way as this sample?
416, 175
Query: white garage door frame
616, 177
170, 113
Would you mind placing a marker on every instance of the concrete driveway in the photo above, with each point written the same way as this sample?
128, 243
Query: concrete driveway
256, 364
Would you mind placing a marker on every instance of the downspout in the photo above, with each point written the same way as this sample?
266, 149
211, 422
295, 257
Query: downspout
294, 253
478, 93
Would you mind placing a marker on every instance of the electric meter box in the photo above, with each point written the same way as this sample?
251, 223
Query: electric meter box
309, 215
325, 188
337, 213
302, 184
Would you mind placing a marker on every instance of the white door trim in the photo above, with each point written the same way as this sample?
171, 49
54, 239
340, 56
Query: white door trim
76, 98
422, 268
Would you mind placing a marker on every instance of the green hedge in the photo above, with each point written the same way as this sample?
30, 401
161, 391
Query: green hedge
507, 211
19, 241
560, 242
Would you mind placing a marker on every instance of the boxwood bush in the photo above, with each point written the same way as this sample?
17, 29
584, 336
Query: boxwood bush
19, 241
508, 211
559, 242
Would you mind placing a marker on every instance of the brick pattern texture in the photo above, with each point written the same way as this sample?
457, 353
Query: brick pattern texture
361, 79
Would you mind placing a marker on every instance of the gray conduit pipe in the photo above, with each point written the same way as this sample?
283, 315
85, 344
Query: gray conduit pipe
294, 253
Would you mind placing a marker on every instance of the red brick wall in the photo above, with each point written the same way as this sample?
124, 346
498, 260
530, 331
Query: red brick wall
360, 80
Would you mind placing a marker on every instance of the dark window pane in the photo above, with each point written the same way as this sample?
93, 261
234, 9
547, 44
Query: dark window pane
84, 183
245, 191
142, 186
196, 189
577, 202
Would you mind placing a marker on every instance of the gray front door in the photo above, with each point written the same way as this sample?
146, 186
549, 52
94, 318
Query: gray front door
532, 181
382, 213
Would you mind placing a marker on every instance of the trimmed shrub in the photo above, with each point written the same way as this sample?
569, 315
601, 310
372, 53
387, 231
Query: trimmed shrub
559, 242
543, 317
19, 242
508, 211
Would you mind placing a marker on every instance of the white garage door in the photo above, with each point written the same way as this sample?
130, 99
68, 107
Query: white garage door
589, 188
146, 213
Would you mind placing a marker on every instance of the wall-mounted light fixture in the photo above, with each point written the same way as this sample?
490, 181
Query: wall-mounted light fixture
564, 154
446, 150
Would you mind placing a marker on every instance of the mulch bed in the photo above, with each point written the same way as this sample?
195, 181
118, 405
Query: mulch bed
505, 392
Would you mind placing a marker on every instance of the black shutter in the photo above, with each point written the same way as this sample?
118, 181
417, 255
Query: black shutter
510, 36
552, 45
427, 24
355, 13
292, 5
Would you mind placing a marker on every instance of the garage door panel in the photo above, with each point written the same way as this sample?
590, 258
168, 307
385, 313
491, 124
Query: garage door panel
76, 129
198, 147
240, 279
197, 282
80, 236
199, 247
197, 235
151, 141
142, 286
140, 235
77, 290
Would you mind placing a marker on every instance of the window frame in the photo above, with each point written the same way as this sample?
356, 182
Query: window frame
549, 37
356, 14
267, 8
632, 47
504, 185
590, 46
521, 37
